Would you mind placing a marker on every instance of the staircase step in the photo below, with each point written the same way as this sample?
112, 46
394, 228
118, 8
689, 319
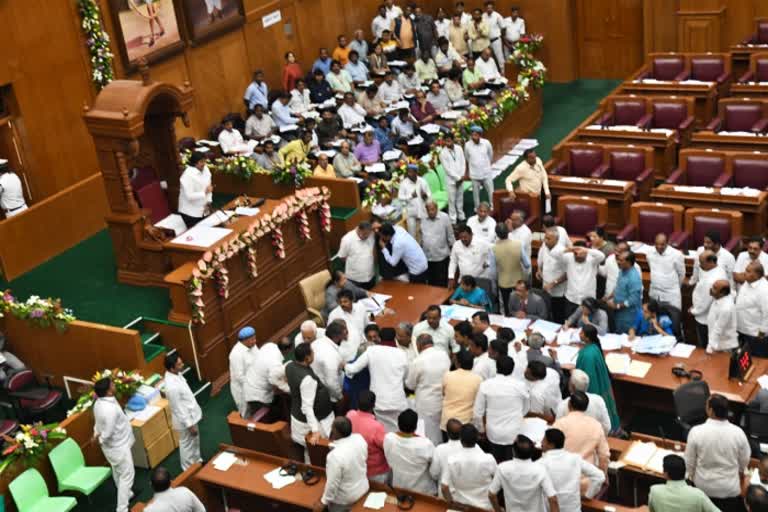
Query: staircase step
152, 350
150, 337
201, 389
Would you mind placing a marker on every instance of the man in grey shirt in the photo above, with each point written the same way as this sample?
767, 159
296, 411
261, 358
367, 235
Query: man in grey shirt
437, 240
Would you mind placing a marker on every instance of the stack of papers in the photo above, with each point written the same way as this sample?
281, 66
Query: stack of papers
694, 190
568, 336
458, 312
611, 341
546, 329
655, 345
533, 429
216, 218
739, 134
567, 354
278, 481
201, 236
246, 212
451, 114
173, 222
638, 369
224, 461
763, 381
746, 191
430, 128
460, 104
376, 168
375, 500
617, 362
647, 456
682, 350
482, 92
415, 141
392, 154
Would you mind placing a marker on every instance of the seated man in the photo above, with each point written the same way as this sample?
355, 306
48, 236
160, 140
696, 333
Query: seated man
352, 115
409, 81
231, 140
357, 70
339, 79
390, 89
167, 499
425, 67
319, 89
438, 97
403, 126
269, 159
259, 126
329, 128
472, 78
410, 456
323, 168
368, 150
345, 162
524, 304
649, 321
447, 57
486, 66
301, 101
281, 112
371, 102
469, 294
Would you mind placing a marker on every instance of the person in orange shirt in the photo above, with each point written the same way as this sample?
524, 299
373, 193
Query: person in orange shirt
402, 29
341, 52
583, 434
324, 169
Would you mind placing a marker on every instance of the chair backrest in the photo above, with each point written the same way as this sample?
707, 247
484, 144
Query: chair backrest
703, 224
21, 380
703, 170
667, 67
186, 144
669, 115
628, 112
626, 165
579, 219
27, 489
707, 68
676, 316
584, 161
691, 401
750, 172
143, 177
756, 423
651, 223
761, 70
313, 289
762, 32
66, 458
509, 205
153, 197
741, 117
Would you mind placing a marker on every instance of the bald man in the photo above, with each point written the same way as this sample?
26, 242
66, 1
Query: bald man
709, 273
752, 308
721, 319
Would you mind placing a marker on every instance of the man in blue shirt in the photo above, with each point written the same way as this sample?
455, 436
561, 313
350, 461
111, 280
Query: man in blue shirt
628, 296
648, 322
398, 245
382, 134
257, 92
356, 69
323, 63
281, 113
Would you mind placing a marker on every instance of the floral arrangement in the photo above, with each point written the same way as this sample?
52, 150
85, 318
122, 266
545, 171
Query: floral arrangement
243, 167
37, 311
530, 43
293, 173
126, 385
30, 443
379, 190
532, 76
400, 170
97, 41
213, 263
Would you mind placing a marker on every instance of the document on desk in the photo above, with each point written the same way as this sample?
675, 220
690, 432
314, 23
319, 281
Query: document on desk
277, 480
568, 336
638, 368
618, 362
245, 211
375, 500
144, 414
514, 323
224, 461
216, 218
682, 350
611, 341
763, 381
371, 305
567, 354
546, 329
201, 236
458, 312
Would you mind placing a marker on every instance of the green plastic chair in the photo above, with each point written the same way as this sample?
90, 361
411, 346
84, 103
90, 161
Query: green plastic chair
71, 472
31, 494
440, 197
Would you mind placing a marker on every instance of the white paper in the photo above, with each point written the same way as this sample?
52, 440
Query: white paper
546, 329
639, 454
458, 312
288, 128
415, 141
246, 211
528, 143
376, 168
460, 103
144, 414
430, 128
568, 336
763, 381
224, 461
397, 63
534, 429
682, 350
392, 154
370, 305
375, 500
618, 362
278, 481
174, 222
638, 368
656, 464
201, 236
567, 354
216, 218
451, 114
612, 341
208, 142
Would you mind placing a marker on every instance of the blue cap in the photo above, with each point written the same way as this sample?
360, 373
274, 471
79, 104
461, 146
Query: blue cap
475, 129
136, 403
246, 332
412, 167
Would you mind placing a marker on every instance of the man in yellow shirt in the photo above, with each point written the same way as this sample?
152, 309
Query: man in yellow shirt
529, 176
341, 52
457, 35
479, 33
297, 150
324, 169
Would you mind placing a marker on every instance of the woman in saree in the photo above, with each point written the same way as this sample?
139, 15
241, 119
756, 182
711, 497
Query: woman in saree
592, 362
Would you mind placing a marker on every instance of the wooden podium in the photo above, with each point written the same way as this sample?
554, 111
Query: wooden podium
618, 193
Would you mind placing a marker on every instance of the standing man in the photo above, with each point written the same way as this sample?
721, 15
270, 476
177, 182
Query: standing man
444, 451
460, 388
495, 23
469, 257
195, 190
479, 33
469, 473
425, 378
708, 273
627, 298
410, 455
413, 195
367, 425
752, 309
397, 245
458, 35
185, 411
171, 499
721, 319
675, 493
327, 360
667, 272
437, 240
345, 469
405, 34
452, 159
514, 27
240, 359
512, 264
257, 92
311, 406
482, 224
581, 274
725, 259
440, 330
519, 230
530, 177
426, 32
356, 250
115, 435
265, 373
552, 273
479, 154
12, 200
754, 253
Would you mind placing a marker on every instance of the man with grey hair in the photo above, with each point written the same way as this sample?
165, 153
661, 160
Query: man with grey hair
482, 224
403, 340
535, 353
596, 408
519, 230
308, 332
552, 272
425, 378
437, 240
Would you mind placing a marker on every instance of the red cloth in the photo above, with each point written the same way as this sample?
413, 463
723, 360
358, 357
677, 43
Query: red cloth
366, 424
291, 73
419, 114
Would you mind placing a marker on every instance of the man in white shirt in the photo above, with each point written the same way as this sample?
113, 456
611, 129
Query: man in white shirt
487, 66
356, 250
752, 308
345, 468
447, 57
581, 272
544, 388
425, 378
495, 23
195, 190
413, 195
12, 200
527, 485
388, 367
479, 154
566, 471
519, 230
701, 299
380, 23
282, 113
470, 472
596, 408
482, 224
389, 90
115, 435
502, 401
444, 452
185, 411
482, 365
327, 360
392, 11
259, 126
168, 499
551, 272
308, 332
264, 375
754, 253
513, 28
469, 256
355, 316
240, 359
667, 272
440, 330
410, 455
717, 455
721, 319
725, 259
452, 159
232, 142
351, 113
300, 102
481, 324
311, 405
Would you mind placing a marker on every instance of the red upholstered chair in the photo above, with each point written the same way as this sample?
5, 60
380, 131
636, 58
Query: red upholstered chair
700, 221
581, 160
664, 66
758, 69
580, 214
187, 144
740, 115
625, 111
761, 33
153, 198
710, 68
630, 164
646, 220
749, 170
701, 168
142, 176
31, 400
503, 206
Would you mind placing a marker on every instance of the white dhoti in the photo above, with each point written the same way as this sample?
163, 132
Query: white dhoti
487, 184
455, 201
432, 426
669, 295
388, 419
121, 461
300, 429
498, 53
189, 448
238, 395
15, 212
211, 4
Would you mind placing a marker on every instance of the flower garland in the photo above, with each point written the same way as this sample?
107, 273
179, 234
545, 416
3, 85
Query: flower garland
213, 263
126, 385
292, 174
243, 167
378, 191
36, 311
97, 41
30, 443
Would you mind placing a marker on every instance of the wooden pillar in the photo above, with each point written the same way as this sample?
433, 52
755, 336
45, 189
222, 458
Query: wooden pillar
701, 25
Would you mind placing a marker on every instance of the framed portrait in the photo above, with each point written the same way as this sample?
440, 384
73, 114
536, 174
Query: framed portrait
206, 19
145, 28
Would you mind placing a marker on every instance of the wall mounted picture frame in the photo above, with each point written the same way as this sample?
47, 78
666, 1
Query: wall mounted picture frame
206, 19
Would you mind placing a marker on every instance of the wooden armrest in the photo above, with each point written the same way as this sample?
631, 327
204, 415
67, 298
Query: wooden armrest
644, 176
685, 125
560, 169
645, 121
626, 234
605, 119
679, 240
675, 177
531, 220
683, 75
746, 77
760, 126
722, 180
643, 74
724, 77
732, 244
601, 171
714, 125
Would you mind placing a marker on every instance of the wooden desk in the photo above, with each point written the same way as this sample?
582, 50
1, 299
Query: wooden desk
754, 209
741, 54
708, 139
408, 301
618, 193
749, 89
274, 438
704, 94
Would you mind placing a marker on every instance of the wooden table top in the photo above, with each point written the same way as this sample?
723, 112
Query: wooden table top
408, 301
668, 190
593, 185
670, 86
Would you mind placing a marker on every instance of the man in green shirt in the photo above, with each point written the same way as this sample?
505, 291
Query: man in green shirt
676, 495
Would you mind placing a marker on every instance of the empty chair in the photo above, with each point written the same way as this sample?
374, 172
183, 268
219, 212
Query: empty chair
580, 215
758, 71
739, 115
700, 221
700, 168
646, 220
582, 161
630, 165
313, 290
31, 400
671, 116
691, 404
153, 197
756, 428
665, 67
709, 68
31, 494
748, 171
626, 112
504, 205
71, 472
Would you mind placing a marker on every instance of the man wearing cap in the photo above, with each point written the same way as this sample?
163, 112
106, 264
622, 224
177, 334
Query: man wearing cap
479, 154
11, 193
240, 359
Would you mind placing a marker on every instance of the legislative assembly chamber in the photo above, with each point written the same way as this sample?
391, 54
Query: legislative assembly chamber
338, 255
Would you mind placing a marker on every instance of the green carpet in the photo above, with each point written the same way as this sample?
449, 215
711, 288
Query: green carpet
84, 276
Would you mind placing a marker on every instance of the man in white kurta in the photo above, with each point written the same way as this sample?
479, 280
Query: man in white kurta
413, 196
425, 377
455, 166
265, 373
701, 299
469, 472
519, 230
470, 256
115, 435
185, 411
754, 253
479, 154
581, 273
327, 361
240, 359
195, 190
552, 271
410, 455
232, 142
721, 319
356, 251
345, 468
482, 224
439, 329
725, 259
495, 22
667, 266
12, 200
171, 499
355, 317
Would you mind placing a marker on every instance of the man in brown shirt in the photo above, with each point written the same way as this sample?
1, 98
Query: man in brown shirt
402, 29
583, 434
457, 35
459, 389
